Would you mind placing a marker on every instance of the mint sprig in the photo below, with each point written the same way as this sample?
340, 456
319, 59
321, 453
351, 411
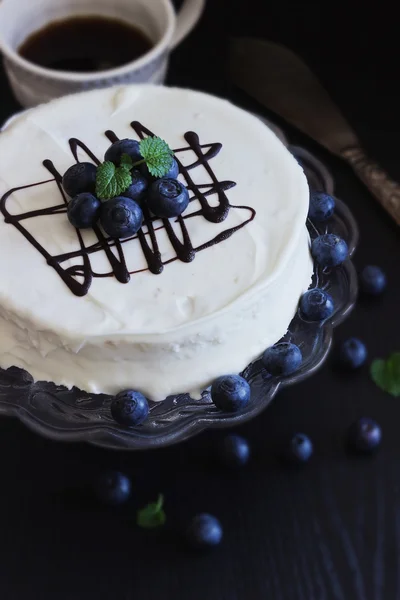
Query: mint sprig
157, 155
152, 515
112, 181
386, 374
126, 162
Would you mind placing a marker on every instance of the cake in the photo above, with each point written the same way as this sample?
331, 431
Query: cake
183, 301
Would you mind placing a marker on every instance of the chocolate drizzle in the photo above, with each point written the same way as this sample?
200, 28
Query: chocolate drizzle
74, 144
79, 277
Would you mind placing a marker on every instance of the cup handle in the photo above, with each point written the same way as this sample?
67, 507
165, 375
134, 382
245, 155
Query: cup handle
187, 18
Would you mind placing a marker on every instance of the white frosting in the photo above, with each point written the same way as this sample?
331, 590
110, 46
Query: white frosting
160, 334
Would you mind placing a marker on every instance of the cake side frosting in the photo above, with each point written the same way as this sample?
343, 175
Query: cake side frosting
165, 333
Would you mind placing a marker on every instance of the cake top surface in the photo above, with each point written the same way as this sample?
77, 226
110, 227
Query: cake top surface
230, 157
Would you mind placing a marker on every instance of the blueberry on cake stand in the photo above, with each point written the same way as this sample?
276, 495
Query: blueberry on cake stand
72, 415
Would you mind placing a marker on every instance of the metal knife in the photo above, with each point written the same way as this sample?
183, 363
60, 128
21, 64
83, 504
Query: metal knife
282, 82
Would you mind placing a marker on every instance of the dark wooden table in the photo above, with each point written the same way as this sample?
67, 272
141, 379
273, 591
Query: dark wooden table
328, 531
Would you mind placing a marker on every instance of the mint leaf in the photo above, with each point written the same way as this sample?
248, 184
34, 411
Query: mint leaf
111, 181
386, 374
126, 162
157, 155
152, 515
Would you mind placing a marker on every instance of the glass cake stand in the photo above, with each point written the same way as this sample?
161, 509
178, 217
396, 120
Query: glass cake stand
73, 415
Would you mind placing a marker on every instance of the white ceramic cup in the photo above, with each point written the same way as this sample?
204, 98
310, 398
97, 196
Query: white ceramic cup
33, 84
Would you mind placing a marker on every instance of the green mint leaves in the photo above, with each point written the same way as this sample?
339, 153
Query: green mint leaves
126, 162
112, 181
386, 374
157, 155
152, 515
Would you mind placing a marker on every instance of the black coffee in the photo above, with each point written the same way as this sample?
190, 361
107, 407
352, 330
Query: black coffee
85, 44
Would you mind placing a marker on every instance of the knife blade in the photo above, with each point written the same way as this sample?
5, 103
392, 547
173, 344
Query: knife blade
282, 82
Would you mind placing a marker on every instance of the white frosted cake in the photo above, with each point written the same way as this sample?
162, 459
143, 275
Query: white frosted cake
186, 299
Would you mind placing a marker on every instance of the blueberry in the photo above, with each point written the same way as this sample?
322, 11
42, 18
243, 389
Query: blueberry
130, 408
300, 448
79, 178
84, 210
126, 146
321, 207
373, 280
230, 393
282, 359
365, 435
137, 190
353, 353
316, 305
204, 531
172, 173
234, 450
167, 198
121, 217
113, 488
329, 250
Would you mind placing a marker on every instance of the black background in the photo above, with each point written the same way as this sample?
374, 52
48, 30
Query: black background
328, 531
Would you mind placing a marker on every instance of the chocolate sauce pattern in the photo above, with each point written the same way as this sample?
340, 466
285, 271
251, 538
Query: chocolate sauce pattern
79, 277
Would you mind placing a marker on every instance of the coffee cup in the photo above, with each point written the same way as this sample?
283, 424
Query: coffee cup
33, 84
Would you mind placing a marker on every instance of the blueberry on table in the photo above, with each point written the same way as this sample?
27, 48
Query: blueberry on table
125, 146
353, 353
113, 488
300, 449
316, 305
167, 198
84, 210
234, 450
329, 250
230, 393
365, 435
79, 178
322, 206
137, 190
282, 359
172, 173
121, 217
204, 531
373, 280
130, 408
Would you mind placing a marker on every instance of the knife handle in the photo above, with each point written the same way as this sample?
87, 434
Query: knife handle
385, 189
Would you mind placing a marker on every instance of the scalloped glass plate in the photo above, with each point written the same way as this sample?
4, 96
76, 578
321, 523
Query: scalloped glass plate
73, 415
